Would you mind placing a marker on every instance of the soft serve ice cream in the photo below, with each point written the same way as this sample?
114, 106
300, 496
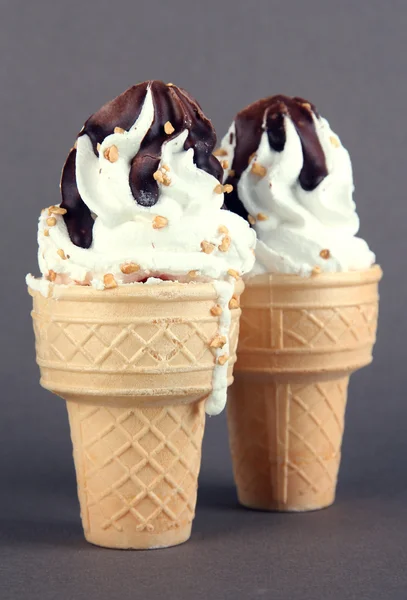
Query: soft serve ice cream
142, 200
292, 179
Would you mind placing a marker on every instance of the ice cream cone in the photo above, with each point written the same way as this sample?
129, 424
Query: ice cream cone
300, 340
135, 366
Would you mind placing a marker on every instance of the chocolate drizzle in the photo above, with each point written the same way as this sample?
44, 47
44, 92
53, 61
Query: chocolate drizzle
78, 219
268, 114
171, 104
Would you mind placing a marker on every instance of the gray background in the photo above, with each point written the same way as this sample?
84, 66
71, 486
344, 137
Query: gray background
59, 62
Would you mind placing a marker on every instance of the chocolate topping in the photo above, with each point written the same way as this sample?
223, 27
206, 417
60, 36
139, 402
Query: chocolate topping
171, 104
78, 218
268, 115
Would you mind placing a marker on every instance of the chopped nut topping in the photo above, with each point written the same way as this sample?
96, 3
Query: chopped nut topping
223, 359
228, 188
224, 163
129, 268
192, 274
109, 281
46, 232
307, 105
258, 169
51, 221
166, 179
111, 154
253, 155
56, 210
166, 168
216, 310
262, 217
218, 342
168, 128
98, 147
316, 270
325, 254
170, 85
119, 130
225, 244
75, 145
232, 173
207, 247
219, 152
218, 189
52, 275
223, 229
158, 176
61, 253
251, 219
334, 141
160, 222
233, 273
234, 302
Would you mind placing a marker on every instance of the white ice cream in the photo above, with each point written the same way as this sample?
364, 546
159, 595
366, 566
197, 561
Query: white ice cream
301, 231
124, 231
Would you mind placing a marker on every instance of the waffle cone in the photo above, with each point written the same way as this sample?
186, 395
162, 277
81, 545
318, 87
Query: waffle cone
300, 339
135, 367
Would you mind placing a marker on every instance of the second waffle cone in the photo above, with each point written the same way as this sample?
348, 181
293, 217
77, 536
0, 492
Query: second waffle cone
300, 340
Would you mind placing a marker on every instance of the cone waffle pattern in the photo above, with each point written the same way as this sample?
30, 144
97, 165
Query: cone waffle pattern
157, 348
137, 471
135, 367
286, 442
300, 340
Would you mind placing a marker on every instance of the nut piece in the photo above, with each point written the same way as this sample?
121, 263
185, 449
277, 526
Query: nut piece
51, 221
61, 253
224, 163
216, 310
158, 176
129, 268
234, 302
52, 275
168, 128
219, 152
207, 247
232, 172
223, 229
165, 167
46, 232
258, 169
109, 281
218, 342
228, 188
98, 147
251, 219
325, 254
119, 130
225, 244
316, 270
160, 222
262, 217
334, 141
56, 210
111, 154
233, 273
223, 359
192, 274
218, 189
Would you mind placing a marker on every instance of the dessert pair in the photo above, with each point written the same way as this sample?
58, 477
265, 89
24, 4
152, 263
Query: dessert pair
136, 314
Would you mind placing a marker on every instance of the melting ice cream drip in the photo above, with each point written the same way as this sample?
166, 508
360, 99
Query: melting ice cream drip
217, 400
